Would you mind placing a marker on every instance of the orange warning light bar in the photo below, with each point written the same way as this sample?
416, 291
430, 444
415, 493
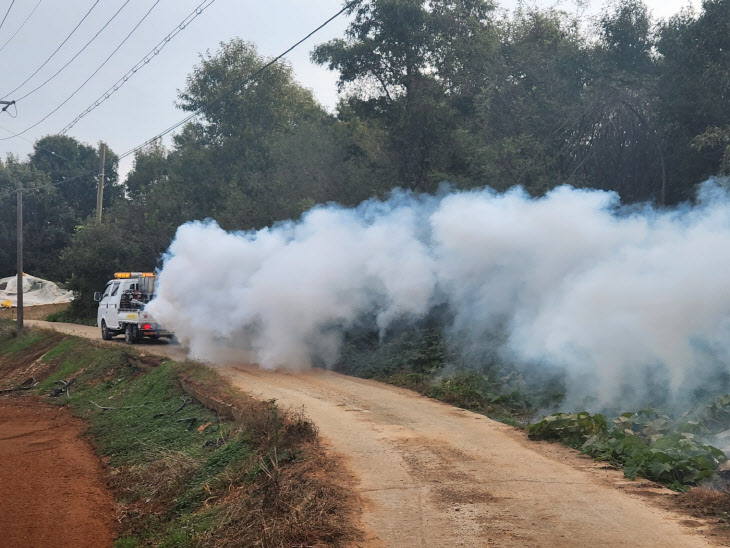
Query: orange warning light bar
125, 275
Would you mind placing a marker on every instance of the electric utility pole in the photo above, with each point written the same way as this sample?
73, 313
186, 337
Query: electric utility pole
19, 281
19, 278
100, 185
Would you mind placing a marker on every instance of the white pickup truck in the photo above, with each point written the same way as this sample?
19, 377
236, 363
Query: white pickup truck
121, 308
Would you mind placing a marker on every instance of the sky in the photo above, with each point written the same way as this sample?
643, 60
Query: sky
145, 105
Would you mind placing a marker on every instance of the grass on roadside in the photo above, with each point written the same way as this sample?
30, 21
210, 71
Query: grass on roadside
473, 391
422, 358
67, 316
183, 475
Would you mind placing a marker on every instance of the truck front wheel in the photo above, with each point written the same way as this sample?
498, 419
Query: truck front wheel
105, 333
130, 334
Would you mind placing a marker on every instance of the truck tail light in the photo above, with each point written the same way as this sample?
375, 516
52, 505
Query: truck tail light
146, 326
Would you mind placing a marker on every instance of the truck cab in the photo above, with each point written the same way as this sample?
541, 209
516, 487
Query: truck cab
121, 308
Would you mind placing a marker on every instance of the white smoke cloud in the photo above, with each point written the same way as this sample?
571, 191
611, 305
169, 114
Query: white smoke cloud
576, 281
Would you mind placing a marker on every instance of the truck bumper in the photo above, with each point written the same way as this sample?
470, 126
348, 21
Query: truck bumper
154, 333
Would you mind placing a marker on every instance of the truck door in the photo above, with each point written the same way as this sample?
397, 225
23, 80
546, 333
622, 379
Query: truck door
109, 306
101, 311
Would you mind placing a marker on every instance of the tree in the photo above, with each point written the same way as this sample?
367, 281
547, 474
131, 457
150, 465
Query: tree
694, 91
617, 140
150, 169
532, 96
63, 157
466, 47
241, 120
400, 62
226, 156
96, 251
713, 140
45, 216
626, 34
387, 50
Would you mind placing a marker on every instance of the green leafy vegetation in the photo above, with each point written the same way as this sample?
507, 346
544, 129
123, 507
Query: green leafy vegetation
183, 475
707, 419
423, 359
571, 429
646, 444
473, 391
66, 316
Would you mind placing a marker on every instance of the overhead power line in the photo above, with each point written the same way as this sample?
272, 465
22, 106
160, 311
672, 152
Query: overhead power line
31, 92
6, 14
190, 117
238, 86
144, 61
50, 185
36, 145
87, 80
21, 26
55, 155
56, 50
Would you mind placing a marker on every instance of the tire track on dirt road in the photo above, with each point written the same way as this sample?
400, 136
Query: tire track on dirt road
432, 475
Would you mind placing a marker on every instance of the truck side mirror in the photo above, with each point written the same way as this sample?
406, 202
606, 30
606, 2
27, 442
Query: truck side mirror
97, 296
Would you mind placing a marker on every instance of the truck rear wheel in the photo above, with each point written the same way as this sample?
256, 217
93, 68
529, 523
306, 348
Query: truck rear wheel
105, 333
130, 334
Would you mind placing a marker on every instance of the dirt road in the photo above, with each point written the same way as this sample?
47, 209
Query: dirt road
431, 475
51, 484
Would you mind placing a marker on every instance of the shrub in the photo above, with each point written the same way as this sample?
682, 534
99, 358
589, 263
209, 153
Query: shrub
644, 444
571, 429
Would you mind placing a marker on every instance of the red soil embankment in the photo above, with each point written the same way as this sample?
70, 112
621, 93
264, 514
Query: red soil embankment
52, 489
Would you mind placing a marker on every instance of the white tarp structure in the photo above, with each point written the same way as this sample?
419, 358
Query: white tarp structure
36, 291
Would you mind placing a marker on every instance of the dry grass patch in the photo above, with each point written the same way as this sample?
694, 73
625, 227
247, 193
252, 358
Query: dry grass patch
296, 495
162, 478
291, 504
707, 502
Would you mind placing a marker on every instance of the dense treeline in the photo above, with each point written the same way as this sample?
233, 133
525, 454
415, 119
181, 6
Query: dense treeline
445, 90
